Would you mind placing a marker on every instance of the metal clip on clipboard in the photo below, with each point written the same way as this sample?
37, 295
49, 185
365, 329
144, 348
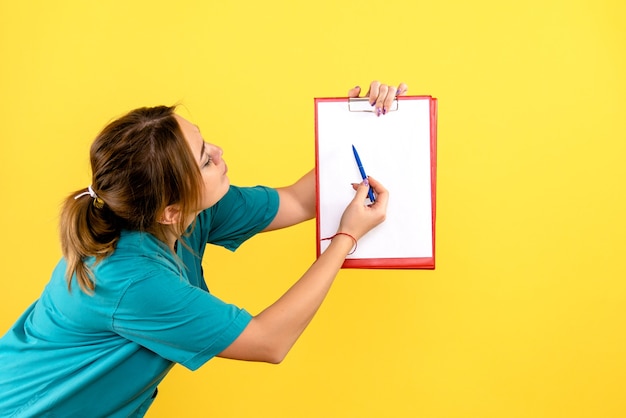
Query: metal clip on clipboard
362, 104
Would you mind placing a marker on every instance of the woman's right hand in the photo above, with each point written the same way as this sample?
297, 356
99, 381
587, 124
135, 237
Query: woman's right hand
359, 218
270, 335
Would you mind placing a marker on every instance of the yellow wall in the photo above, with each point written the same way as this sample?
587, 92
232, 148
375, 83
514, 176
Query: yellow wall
524, 315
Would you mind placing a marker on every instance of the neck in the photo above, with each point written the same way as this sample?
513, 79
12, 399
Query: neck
171, 235
171, 239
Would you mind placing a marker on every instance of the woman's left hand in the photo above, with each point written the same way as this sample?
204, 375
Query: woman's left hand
380, 95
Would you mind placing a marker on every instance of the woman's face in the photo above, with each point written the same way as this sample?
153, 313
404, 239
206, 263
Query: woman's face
209, 159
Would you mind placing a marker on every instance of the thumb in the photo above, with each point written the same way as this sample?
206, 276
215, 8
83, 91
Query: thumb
354, 92
361, 191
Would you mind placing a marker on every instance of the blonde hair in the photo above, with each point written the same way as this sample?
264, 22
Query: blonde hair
140, 163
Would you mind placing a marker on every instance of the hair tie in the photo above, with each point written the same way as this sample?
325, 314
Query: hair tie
343, 233
97, 202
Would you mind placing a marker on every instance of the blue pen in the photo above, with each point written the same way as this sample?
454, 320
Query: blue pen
370, 194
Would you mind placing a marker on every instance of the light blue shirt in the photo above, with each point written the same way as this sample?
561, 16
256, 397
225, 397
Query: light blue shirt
77, 355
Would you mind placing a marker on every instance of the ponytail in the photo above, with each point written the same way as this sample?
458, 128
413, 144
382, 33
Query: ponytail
87, 229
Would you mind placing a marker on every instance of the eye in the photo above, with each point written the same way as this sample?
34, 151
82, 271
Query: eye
209, 160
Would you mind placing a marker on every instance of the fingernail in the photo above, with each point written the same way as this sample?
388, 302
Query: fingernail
378, 111
366, 182
384, 110
357, 87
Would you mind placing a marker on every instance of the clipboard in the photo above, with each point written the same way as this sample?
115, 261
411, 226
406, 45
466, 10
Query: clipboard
399, 149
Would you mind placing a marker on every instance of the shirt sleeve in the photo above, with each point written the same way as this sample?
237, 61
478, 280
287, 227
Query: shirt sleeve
176, 320
240, 214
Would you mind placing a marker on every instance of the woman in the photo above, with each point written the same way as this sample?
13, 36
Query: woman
128, 299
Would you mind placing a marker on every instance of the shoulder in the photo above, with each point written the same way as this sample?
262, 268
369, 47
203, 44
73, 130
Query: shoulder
243, 198
138, 255
241, 213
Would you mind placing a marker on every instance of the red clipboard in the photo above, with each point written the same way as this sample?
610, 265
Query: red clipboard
399, 149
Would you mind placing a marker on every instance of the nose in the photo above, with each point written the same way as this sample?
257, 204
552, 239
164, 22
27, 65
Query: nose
216, 153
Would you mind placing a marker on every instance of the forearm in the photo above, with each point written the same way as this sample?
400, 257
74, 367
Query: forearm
271, 334
286, 319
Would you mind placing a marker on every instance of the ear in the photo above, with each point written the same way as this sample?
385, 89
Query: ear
170, 215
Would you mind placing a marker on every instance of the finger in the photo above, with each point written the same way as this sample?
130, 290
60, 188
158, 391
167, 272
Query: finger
382, 195
388, 101
376, 185
354, 92
380, 100
361, 192
402, 89
372, 93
